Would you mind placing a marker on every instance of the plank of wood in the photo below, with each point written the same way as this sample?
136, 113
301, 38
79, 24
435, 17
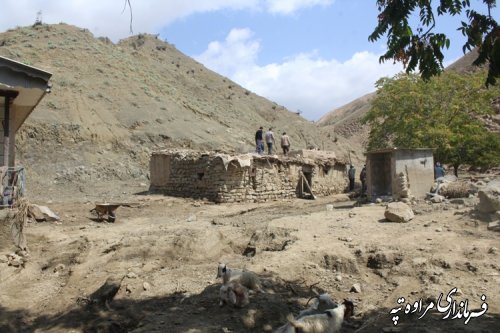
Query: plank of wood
307, 184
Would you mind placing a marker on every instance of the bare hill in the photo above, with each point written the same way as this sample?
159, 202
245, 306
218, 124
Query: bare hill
112, 104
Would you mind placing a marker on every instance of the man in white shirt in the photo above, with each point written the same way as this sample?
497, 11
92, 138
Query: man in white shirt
270, 140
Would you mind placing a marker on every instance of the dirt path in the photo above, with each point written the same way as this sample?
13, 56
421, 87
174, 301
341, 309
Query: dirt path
166, 251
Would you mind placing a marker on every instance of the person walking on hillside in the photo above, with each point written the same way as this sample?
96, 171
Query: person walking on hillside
362, 177
270, 140
352, 176
259, 144
285, 143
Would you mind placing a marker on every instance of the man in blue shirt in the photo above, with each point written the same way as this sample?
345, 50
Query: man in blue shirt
438, 171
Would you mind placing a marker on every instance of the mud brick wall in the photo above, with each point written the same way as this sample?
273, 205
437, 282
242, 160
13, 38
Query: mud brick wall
205, 176
192, 176
329, 179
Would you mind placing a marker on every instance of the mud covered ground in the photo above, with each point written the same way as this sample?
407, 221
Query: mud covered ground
163, 253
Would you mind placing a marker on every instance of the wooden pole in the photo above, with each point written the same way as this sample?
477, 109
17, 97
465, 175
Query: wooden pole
307, 184
301, 185
6, 132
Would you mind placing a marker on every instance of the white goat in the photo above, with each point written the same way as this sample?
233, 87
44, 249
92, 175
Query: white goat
328, 322
320, 304
245, 278
233, 293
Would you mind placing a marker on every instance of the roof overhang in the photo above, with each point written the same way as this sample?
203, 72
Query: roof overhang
30, 83
390, 150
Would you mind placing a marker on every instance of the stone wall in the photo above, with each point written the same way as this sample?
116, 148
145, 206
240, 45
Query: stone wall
224, 179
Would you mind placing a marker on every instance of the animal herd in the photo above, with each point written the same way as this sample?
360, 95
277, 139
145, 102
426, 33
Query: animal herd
322, 316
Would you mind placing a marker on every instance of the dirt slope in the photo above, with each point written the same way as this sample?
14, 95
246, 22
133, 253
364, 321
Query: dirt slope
112, 104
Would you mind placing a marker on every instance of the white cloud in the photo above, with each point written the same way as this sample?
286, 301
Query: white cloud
107, 18
291, 6
303, 82
236, 52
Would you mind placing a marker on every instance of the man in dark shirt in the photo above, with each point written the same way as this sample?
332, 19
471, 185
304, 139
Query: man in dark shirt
259, 142
352, 176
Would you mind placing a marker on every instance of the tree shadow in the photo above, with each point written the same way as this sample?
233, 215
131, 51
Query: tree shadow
176, 312
181, 312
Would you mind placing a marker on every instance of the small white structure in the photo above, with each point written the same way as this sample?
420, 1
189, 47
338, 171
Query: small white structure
399, 173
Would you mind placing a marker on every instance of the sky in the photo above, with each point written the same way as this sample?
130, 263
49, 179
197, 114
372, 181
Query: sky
308, 55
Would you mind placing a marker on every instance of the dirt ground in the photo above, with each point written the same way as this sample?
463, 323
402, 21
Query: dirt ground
164, 253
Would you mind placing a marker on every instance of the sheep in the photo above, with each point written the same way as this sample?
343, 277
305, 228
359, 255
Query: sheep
233, 293
320, 304
328, 322
245, 278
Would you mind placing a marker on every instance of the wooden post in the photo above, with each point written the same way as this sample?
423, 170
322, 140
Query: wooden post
8, 96
301, 184
6, 131
307, 184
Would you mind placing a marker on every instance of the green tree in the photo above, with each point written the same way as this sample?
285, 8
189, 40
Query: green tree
421, 47
446, 113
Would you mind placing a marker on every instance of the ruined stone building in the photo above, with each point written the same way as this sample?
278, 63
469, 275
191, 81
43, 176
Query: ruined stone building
250, 177
399, 173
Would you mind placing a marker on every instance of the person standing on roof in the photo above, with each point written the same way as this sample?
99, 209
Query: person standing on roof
285, 143
259, 144
270, 140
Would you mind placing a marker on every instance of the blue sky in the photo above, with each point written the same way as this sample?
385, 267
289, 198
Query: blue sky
308, 55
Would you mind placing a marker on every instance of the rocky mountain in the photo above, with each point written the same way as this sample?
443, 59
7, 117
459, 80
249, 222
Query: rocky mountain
112, 104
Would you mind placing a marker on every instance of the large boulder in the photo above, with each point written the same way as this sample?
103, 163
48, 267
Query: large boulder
489, 198
398, 212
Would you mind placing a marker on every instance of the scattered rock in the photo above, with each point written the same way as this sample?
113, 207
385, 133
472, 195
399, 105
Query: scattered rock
356, 288
107, 291
191, 218
42, 213
437, 199
146, 286
492, 250
131, 275
494, 226
329, 207
341, 197
398, 212
489, 198
59, 268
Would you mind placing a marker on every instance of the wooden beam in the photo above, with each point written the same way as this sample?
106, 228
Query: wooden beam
9, 93
307, 184
6, 131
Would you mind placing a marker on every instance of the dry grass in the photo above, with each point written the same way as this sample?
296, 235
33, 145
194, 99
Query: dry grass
19, 222
456, 190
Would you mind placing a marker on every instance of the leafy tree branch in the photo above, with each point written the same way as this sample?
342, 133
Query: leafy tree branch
422, 47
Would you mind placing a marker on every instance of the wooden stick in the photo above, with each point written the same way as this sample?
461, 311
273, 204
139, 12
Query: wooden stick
301, 185
307, 184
